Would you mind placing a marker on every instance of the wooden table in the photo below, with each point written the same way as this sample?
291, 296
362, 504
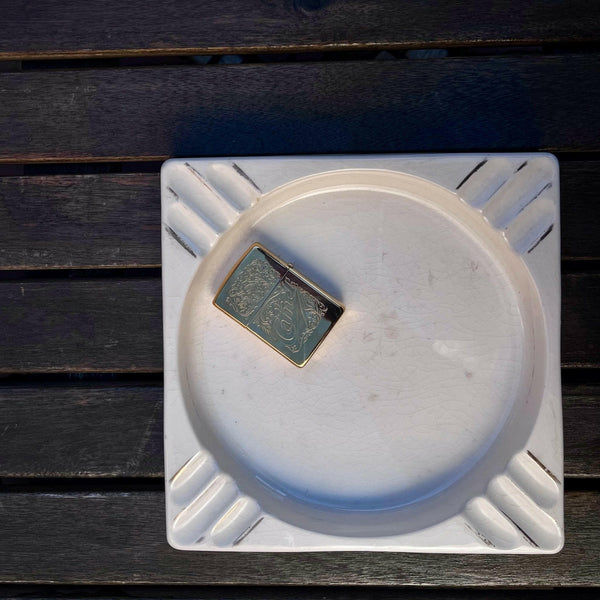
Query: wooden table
92, 97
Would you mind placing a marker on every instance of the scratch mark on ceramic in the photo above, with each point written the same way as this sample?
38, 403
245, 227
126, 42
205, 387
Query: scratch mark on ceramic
237, 522
479, 535
471, 173
220, 202
187, 224
521, 509
534, 197
204, 201
245, 175
534, 479
529, 540
247, 532
522, 189
525, 232
541, 464
544, 236
490, 524
180, 240
173, 192
484, 181
233, 183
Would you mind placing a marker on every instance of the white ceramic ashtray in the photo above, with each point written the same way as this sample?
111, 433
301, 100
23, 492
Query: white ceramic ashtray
362, 353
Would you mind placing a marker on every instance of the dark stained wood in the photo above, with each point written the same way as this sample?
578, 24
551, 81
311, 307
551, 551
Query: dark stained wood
112, 538
113, 533
85, 431
29, 592
580, 320
78, 325
80, 221
581, 430
451, 104
112, 28
113, 220
114, 324
81, 431
580, 209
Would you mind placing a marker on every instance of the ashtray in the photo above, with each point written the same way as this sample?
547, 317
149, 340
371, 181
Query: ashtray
363, 353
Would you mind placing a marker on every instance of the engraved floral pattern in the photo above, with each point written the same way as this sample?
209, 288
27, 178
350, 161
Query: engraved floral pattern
252, 284
290, 315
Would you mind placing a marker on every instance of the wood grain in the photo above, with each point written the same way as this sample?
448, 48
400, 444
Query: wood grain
274, 592
527, 103
114, 324
580, 209
580, 320
581, 430
81, 431
57, 324
78, 221
111, 538
111, 28
113, 220
117, 431
81, 325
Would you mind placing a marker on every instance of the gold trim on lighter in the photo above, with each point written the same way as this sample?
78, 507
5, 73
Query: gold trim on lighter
287, 311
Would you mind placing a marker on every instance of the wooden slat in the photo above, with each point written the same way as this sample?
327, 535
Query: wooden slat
80, 221
452, 104
114, 324
24, 592
112, 538
117, 431
113, 220
80, 431
580, 320
581, 430
112, 28
111, 324
580, 209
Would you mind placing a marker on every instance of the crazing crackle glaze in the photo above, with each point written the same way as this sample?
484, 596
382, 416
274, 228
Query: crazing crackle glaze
428, 419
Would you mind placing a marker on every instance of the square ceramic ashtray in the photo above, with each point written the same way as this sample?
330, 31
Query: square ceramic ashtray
362, 353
